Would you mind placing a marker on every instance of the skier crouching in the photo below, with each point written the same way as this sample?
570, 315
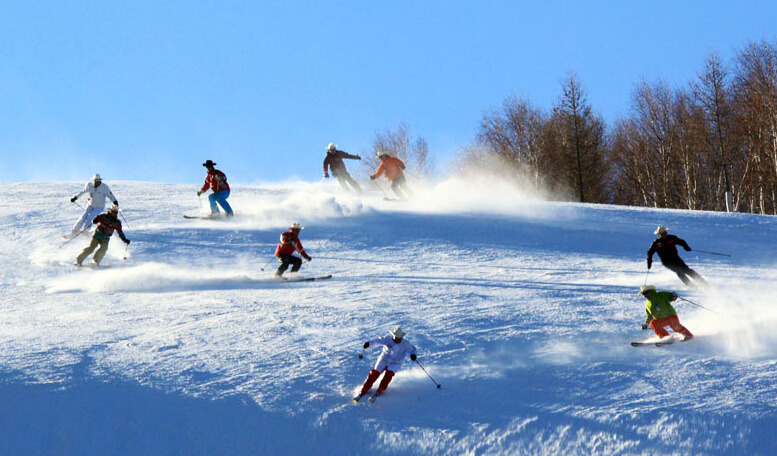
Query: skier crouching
661, 314
395, 347
287, 246
106, 224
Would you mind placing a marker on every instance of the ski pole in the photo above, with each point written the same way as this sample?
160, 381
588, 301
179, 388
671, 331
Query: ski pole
646, 277
77, 234
125, 220
427, 373
712, 253
380, 187
267, 264
699, 305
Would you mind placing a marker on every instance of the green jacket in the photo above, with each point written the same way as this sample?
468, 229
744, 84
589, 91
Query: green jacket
658, 305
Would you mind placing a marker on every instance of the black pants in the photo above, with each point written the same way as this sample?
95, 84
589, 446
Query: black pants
286, 260
345, 180
685, 274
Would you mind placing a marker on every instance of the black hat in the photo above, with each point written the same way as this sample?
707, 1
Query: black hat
208, 164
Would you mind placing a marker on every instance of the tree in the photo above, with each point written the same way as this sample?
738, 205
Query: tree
398, 143
575, 145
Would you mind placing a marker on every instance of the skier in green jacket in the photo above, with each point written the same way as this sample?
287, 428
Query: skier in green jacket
661, 314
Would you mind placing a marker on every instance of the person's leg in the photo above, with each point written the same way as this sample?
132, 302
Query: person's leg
284, 259
386, 380
698, 279
213, 208
658, 327
221, 198
87, 251
296, 263
371, 377
85, 221
674, 323
98, 256
679, 269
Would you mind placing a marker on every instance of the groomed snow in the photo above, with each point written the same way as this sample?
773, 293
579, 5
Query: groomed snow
521, 309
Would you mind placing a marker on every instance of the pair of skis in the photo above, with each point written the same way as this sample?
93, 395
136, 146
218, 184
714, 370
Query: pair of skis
369, 401
659, 343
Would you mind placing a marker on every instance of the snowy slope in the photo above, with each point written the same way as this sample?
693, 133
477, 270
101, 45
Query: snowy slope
522, 309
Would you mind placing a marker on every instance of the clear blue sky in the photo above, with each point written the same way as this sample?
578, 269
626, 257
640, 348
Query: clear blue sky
148, 90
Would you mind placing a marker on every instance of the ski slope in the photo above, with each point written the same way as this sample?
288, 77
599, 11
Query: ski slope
523, 310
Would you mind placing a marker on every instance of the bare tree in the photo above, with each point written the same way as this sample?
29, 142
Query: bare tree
398, 143
513, 134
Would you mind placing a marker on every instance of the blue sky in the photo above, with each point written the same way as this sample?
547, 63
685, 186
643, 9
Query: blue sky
148, 90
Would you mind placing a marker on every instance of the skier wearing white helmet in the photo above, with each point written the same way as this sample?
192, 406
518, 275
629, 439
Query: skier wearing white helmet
98, 192
395, 348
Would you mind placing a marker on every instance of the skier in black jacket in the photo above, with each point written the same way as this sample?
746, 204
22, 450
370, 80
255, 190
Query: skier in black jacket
666, 248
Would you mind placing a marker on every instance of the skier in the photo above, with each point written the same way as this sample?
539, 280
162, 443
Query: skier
334, 161
288, 245
98, 192
216, 181
389, 361
660, 312
666, 247
106, 224
394, 169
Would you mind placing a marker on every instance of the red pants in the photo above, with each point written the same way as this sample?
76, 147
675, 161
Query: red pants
673, 322
372, 376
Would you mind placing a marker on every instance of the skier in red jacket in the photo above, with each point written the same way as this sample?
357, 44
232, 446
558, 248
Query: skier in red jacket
394, 169
288, 245
217, 182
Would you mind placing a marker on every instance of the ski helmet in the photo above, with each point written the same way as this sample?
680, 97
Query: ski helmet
97, 178
660, 230
645, 288
297, 226
331, 146
397, 332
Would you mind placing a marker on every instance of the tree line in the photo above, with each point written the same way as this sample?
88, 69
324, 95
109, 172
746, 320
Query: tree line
711, 145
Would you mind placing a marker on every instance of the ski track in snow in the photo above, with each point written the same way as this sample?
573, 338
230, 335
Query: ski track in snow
522, 309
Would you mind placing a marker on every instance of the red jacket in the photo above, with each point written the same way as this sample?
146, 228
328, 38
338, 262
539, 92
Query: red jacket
392, 167
216, 181
289, 244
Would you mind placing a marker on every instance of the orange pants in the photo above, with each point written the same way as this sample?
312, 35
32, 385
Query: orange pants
372, 376
673, 322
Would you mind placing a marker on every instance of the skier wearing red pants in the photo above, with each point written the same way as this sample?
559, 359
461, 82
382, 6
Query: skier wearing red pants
661, 314
395, 348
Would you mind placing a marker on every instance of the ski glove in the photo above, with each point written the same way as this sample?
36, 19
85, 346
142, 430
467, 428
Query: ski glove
199, 192
73, 199
650, 262
413, 357
358, 157
402, 167
127, 241
372, 177
307, 257
644, 326
366, 345
116, 202
326, 175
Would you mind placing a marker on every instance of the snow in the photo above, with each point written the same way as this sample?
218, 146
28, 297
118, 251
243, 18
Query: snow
522, 310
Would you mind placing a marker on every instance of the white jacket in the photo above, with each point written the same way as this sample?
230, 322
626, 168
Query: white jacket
393, 353
97, 195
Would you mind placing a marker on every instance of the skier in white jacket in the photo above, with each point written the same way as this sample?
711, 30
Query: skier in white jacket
395, 348
98, 192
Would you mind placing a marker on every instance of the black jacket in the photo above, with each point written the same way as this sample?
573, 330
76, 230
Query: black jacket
666, 248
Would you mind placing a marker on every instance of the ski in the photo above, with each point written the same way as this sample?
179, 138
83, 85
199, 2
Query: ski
306, 279
657, 343
200, 217
358, 397
373, 397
